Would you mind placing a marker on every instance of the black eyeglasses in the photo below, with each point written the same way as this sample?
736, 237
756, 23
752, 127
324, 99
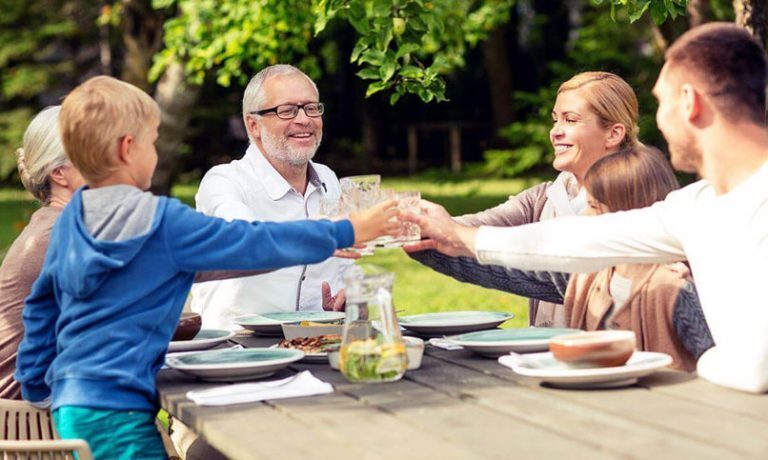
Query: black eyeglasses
289, 111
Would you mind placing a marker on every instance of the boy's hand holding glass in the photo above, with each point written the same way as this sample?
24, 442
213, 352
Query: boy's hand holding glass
376, 221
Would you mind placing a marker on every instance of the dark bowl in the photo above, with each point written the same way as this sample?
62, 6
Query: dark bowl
189, 325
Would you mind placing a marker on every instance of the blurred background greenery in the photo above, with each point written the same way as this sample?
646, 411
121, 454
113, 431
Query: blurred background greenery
381, 65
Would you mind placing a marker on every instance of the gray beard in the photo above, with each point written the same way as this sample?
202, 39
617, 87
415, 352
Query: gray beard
278, 148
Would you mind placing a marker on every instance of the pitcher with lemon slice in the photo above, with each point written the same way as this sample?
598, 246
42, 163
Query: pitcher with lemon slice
372, 348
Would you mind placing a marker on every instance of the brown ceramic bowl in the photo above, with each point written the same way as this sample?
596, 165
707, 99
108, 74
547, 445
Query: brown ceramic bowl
594, 348
189, 325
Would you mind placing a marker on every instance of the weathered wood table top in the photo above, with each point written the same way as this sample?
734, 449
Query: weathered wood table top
461, 406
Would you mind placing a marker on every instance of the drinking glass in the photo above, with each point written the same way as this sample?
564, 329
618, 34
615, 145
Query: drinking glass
372, 348
408, 201
360, 192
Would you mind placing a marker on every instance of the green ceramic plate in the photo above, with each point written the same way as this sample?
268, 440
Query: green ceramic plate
499, 342
234, 365
453, 322
269, 323
205, 339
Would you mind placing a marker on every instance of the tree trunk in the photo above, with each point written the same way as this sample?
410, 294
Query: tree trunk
575, 17
176, 98
699, 12
753, 16
499, 72
142, 33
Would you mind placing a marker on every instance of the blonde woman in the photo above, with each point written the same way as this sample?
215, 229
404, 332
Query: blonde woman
48, 175
595, 114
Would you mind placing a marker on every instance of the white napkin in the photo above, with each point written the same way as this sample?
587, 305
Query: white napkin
301, 384
444, 344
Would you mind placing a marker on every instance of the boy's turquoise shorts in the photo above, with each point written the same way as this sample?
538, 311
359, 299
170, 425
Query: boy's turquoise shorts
111, 433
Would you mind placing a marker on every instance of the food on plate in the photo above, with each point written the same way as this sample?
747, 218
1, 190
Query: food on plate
318, 344
314, 323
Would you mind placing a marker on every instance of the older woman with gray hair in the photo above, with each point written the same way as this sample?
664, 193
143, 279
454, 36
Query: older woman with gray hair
48, 175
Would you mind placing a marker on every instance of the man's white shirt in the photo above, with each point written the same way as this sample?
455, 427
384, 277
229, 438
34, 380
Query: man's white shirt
724, 238
251, 189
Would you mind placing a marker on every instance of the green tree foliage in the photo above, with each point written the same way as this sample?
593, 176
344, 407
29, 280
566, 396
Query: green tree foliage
228, 39
660, 10
31, 34
406, 45
403, 46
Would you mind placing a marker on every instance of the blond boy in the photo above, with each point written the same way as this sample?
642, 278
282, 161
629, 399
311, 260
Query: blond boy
119, 267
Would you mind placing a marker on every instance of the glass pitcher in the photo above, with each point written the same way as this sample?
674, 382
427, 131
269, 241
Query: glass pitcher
372, 348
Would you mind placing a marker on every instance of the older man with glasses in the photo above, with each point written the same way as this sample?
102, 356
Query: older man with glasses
276, 180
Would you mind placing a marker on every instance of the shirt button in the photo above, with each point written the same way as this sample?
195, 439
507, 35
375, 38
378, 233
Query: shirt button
303, 277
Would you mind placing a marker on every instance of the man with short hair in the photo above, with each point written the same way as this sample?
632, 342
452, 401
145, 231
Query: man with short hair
712, 98
275, 181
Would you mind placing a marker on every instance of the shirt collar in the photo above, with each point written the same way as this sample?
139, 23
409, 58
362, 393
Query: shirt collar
275, 184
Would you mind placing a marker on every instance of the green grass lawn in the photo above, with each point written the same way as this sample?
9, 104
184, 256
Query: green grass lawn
417, 289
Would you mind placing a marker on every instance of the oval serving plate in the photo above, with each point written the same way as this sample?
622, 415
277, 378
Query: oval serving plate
549, 370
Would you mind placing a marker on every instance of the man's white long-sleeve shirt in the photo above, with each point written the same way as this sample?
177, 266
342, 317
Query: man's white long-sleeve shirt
251, 189
724, 238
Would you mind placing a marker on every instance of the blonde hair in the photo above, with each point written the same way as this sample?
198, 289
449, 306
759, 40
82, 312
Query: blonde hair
95, 116
41, 153
253, 97
632, 178
611, 98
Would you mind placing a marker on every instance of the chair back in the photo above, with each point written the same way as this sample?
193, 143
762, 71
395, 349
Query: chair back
21, 422
28, 433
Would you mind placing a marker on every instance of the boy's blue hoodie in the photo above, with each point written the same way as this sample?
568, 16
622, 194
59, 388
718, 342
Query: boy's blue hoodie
100, 316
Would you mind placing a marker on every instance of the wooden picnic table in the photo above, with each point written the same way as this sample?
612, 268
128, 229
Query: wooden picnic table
461, 406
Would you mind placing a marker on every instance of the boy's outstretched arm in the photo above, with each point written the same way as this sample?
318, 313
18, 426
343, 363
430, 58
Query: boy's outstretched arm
201, 243
38, 348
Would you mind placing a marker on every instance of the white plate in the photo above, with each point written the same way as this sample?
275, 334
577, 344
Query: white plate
544, 366
496, 342
453, 322
205, 339
271, 323
234, 365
